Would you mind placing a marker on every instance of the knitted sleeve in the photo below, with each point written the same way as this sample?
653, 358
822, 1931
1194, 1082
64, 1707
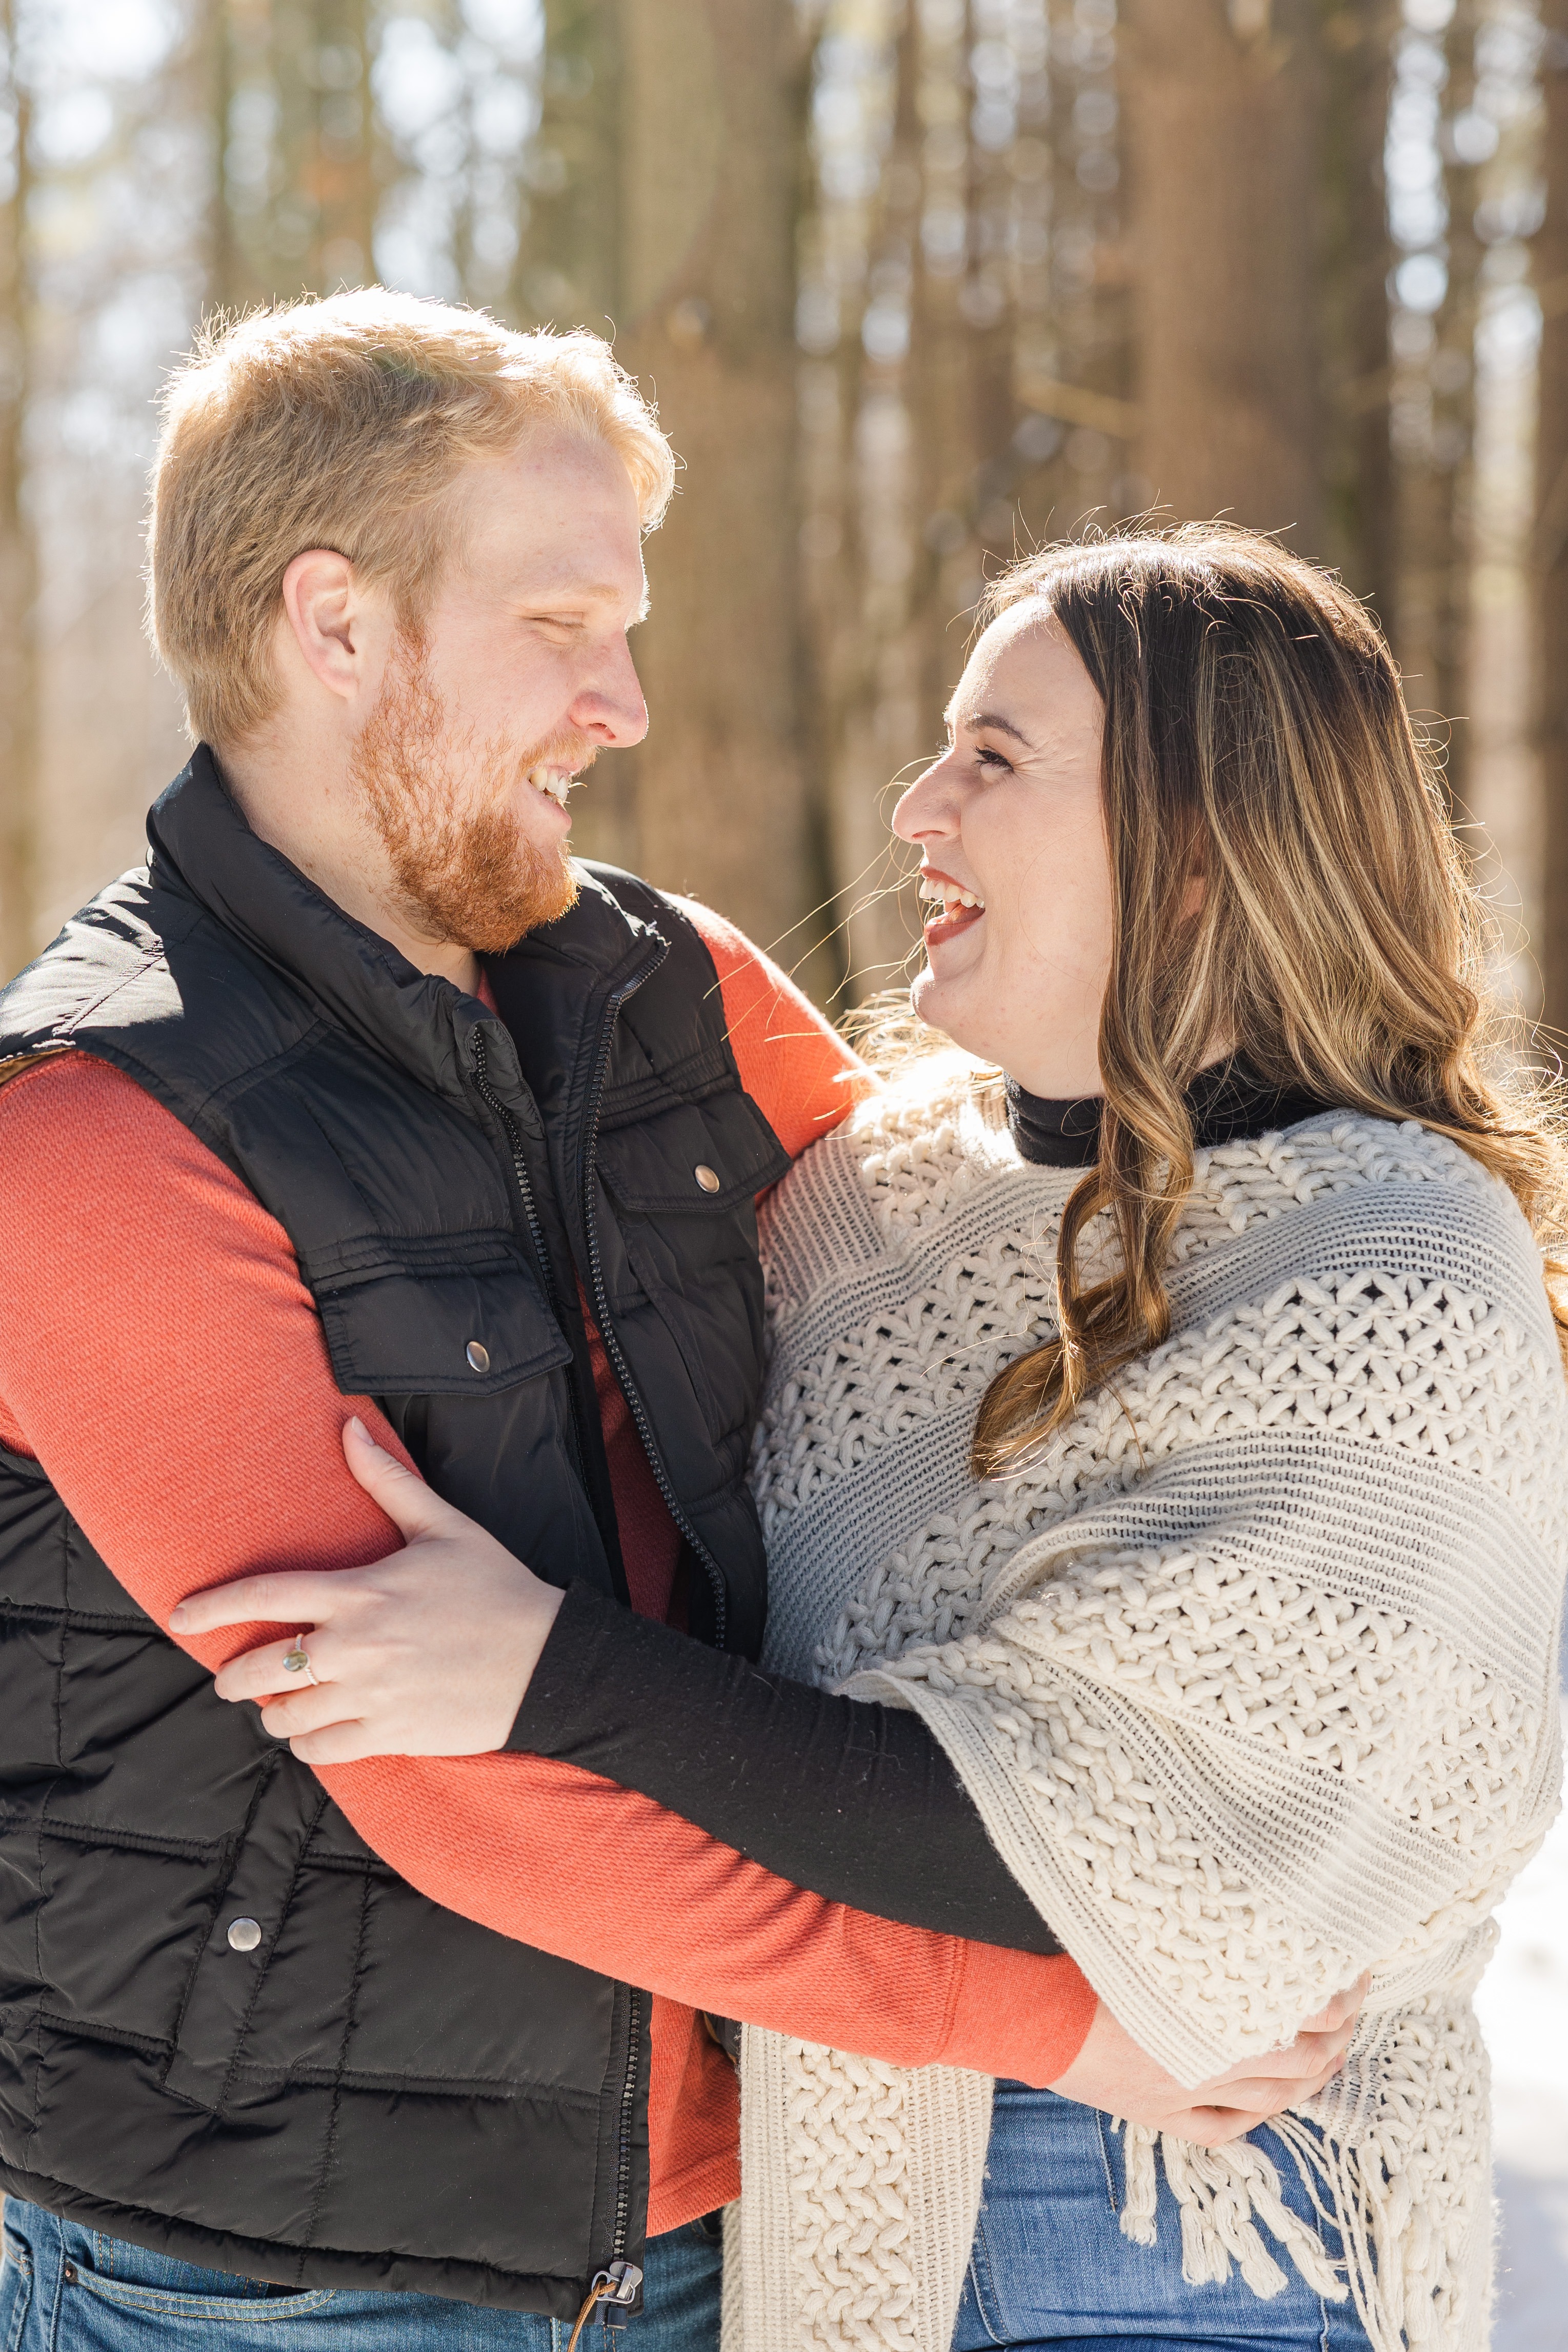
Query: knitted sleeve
1249, 1668
1250, 1672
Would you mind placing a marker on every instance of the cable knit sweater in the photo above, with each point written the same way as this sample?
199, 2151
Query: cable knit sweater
1250, 1677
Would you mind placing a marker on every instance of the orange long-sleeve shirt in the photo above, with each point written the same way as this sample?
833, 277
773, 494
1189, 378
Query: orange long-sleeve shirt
162, 1360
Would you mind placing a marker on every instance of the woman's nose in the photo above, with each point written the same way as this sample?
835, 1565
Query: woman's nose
930, 806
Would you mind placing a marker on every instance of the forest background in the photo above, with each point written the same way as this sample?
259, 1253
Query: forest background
917, 284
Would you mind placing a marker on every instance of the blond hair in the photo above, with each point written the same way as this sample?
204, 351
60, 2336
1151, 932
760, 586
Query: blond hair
344, 424
1256, 737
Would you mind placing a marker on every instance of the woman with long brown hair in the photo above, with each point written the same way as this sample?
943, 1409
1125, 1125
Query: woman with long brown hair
1166, 1432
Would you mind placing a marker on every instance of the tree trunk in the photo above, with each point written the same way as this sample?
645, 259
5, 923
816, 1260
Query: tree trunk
569, 273
941, 368
20, 696
1357, 253
568, 267
710, 137
1551, 548
321, 68
1431, 622
307, 221
1224, 110
866, 591
226, 281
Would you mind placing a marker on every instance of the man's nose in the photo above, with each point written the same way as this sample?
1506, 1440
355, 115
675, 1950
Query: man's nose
611, 709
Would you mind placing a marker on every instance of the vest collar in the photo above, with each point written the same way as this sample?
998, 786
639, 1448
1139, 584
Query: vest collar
198, 835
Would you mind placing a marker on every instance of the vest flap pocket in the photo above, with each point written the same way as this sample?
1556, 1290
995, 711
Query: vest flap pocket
460, 1315
694, 1157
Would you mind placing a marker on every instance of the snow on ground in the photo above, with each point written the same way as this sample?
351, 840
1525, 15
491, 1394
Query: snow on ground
1523, 2005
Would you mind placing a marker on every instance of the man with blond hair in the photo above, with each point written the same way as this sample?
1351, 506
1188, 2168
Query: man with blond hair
363, 1100
362, 1107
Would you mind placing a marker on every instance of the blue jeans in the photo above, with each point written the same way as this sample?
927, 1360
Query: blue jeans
1050, 2265
67, 2289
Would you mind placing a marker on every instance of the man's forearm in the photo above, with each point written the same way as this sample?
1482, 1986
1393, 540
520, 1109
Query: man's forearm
560, 1859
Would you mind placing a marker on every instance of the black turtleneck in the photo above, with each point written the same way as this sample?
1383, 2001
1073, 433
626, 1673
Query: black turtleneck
1225, 1104
857, 1803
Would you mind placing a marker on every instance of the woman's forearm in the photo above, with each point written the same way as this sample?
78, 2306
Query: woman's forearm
855, 1803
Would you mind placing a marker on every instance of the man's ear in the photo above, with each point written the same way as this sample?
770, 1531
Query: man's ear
326, 616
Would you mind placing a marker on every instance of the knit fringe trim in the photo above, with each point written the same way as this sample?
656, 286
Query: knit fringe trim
1409, 2229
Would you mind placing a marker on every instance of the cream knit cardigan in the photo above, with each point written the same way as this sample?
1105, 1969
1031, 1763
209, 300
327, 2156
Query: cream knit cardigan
1251, 1677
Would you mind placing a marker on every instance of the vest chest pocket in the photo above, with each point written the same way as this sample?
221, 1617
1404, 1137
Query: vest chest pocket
700, 1160
683, 1183
447, 1314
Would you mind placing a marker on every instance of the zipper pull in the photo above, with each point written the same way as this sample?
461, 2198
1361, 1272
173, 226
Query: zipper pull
626, 2282
617, 2289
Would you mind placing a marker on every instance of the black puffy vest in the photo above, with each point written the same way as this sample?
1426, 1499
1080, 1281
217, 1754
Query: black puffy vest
382, 2094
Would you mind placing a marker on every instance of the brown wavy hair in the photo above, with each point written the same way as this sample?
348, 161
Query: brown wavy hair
1256, 740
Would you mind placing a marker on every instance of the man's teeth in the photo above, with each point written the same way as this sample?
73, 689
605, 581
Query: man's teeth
551, 781
947, 896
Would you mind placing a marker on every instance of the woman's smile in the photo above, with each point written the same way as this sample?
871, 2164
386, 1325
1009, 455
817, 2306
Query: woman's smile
951, 907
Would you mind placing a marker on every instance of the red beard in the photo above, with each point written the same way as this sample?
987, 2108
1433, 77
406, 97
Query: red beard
471, 878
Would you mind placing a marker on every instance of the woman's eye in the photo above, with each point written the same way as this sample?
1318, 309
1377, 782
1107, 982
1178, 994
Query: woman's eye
987, 758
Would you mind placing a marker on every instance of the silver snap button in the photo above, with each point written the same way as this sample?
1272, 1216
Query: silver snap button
706, 1177
479, 1355
244, 1935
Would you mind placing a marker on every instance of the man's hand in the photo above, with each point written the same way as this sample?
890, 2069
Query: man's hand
1112, 2072
427, 1653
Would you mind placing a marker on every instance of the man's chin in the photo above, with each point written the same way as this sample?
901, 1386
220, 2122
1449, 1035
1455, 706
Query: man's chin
562, 897
473, 908
493, 930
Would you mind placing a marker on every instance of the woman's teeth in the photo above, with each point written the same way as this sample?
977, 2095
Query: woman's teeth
551, 781
949, 897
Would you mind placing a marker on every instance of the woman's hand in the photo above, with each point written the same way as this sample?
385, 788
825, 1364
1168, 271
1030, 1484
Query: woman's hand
1112, 2072
427, 1653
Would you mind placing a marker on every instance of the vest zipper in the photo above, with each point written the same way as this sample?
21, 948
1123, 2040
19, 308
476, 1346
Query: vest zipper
619, 2283
488, 1095
616, 1354
624, 2159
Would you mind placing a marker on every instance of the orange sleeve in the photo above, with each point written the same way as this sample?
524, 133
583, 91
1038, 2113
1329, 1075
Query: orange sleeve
137, 1275
791, 1060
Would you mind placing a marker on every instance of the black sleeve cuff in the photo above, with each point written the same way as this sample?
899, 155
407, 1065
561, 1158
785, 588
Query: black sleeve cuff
857, 1802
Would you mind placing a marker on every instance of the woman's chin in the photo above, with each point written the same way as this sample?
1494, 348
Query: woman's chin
943, 1000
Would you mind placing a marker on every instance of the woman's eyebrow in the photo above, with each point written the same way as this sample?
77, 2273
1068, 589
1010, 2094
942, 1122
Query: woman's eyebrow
1000, 726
